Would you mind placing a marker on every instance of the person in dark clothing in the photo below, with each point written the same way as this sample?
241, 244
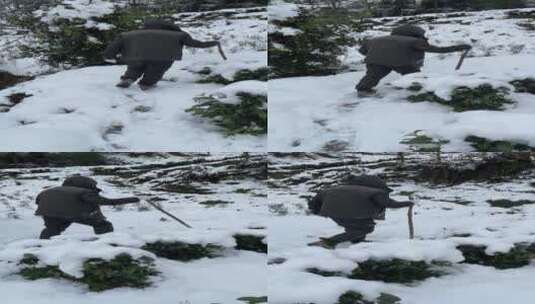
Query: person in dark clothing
403, 51
150, 52
76, 201
354, 205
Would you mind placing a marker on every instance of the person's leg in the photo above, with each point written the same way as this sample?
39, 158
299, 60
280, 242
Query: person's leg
100, 225
405, 70
374, 74
153, 73
133, 72
53, 226
355, 231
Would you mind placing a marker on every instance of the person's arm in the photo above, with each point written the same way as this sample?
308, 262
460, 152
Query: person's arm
95, 198
429, 48
314, 205
188, 41
384, 201
113, 49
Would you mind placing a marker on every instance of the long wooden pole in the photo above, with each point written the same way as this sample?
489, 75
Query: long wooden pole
220, 48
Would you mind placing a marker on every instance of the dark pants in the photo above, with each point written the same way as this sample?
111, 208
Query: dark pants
355, 230
152, 71
375, 73
55, 226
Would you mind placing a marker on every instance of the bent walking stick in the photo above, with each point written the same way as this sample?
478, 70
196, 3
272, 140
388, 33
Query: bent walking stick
168, 214
411, 223
461, 60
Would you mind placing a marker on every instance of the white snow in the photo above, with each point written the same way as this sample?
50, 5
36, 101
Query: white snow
229, 93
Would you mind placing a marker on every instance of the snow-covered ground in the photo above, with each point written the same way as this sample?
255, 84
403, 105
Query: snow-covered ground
445, 216
224, 279
320, 110
82, 110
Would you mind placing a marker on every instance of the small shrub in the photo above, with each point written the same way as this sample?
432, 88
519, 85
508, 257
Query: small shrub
481, 144
352, 297
251, 243
214, 203
260, 74
247, 117
505, 203
183, 252
524, 85
121, 271
484, 97
420, 142
253, 300
395, 271
519, 256
98, 274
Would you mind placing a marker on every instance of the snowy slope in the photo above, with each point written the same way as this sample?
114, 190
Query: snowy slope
199, 281
82, 110
326, 110
445, 216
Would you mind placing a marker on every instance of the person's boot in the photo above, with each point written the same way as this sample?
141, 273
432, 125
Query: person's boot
145, 87
125, 83
366, 93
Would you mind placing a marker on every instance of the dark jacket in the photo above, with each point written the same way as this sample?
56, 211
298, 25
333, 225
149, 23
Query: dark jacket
152, 45
75, 199
405, 47
355, 201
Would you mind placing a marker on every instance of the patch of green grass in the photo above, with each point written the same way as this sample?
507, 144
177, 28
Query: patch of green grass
483, 97
481, 144
249, 116
183, 252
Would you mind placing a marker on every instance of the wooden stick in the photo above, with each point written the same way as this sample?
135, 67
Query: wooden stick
221, 51
411, 223
461, 60
168, 214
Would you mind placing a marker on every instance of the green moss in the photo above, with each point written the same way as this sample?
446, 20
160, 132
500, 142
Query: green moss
483, 97
253, 300
249, 116
250, 243
504, 203
524, 85
395, 271
481, 144
183, 252
98, 274
519, 256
